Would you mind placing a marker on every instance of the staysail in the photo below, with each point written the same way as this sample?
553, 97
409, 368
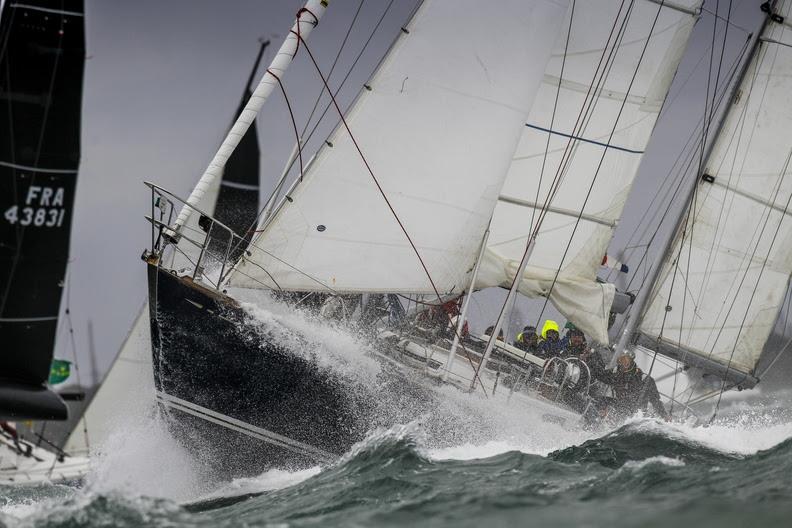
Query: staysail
723, 282
437, 125
611, 70
42, 56
234, 200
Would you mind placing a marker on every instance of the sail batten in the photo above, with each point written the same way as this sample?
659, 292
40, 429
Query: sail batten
437, 123
618, 83
723, 284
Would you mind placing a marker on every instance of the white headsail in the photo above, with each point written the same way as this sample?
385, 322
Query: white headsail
583, 214
438, 124
723, 283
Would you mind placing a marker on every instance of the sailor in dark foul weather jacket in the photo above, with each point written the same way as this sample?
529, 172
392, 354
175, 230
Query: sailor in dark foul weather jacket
633, 390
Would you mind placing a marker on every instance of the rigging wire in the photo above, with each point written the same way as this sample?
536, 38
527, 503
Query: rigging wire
553, 114
381, 190
683, 170
604, 153
759, 278
320, 119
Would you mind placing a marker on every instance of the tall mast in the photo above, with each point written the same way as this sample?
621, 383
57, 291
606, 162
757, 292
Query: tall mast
307, 19
644, 294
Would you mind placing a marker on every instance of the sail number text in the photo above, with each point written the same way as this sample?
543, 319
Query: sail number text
43, 207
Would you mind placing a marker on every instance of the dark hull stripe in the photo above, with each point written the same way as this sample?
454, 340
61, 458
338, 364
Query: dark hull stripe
245, 428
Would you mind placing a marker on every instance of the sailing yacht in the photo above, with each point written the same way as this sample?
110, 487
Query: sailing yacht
447, 81
450, 130
42, 57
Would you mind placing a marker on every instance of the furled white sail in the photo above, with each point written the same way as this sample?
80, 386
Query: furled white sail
576, 231
723, 283
437, 124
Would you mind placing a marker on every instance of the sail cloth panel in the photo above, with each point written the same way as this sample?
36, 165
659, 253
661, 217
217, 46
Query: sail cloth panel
42, 56
438, 127
576, 294
731, 276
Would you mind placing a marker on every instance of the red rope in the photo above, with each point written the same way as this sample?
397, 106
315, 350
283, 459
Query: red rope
294, 123
299, 37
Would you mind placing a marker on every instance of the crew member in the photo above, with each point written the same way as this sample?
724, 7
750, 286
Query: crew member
633, 390
491, 329
575, 342
550, 345
527, 340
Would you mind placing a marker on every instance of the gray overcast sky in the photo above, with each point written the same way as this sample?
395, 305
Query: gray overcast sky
161, 85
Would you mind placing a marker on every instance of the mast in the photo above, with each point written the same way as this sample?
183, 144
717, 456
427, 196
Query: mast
506, 308
307, 18
644, 295
465, 305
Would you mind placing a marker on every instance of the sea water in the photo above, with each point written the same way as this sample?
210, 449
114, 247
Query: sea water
504, 470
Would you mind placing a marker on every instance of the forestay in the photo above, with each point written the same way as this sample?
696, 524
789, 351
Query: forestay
578, 226
723, 284
438, 124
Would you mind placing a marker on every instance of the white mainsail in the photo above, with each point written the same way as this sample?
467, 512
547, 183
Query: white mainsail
724, 281
437, 124
583, 214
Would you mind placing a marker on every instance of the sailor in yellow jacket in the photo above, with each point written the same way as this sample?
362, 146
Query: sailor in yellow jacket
550, 345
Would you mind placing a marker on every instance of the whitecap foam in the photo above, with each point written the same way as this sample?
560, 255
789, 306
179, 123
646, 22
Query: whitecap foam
271, 480
661, 460
740, 435
141, 458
